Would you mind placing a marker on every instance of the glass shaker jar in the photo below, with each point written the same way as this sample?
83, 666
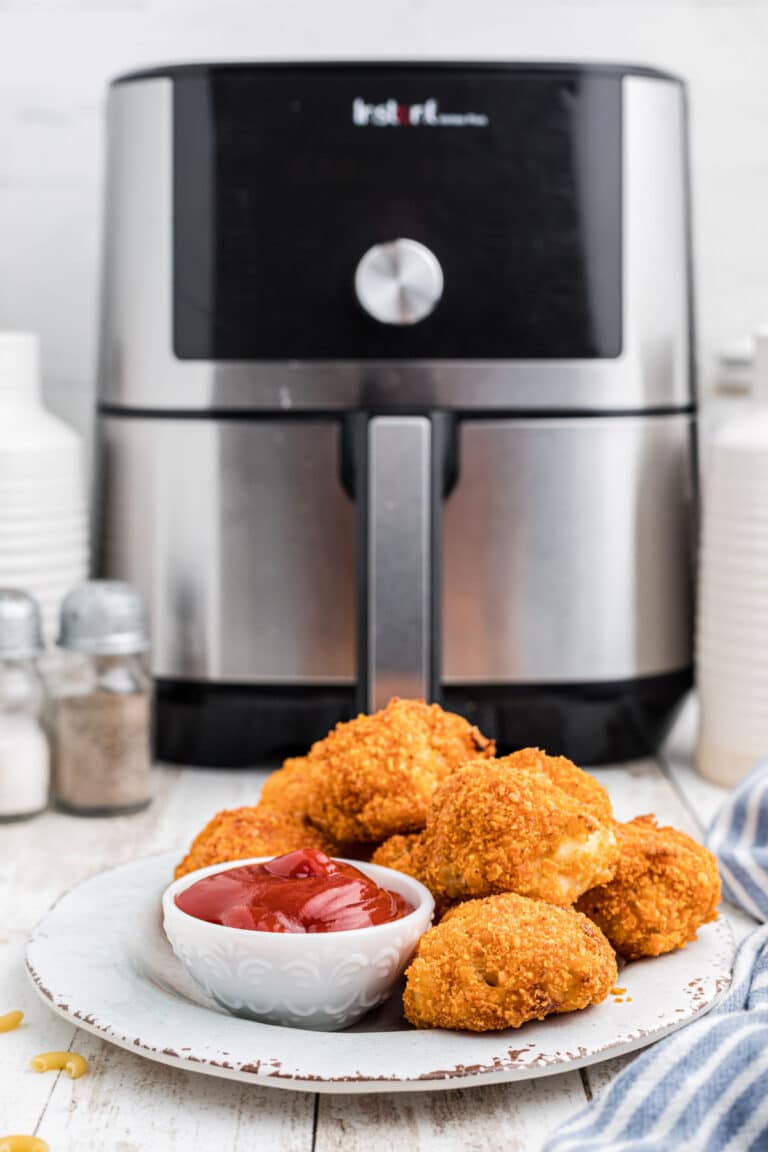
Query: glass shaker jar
24, 751
101, 702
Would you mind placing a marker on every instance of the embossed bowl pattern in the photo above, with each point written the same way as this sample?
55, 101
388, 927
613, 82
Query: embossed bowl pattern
323, 981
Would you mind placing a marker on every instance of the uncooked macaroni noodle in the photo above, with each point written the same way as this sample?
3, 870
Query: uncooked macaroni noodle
71, 1062
10, 1021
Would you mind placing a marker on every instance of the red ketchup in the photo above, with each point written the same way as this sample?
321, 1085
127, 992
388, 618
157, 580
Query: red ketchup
304, 891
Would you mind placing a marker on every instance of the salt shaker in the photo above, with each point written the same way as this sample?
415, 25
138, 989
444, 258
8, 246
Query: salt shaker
101, 702
24, 752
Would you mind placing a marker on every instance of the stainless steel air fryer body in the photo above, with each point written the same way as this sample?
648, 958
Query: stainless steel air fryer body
396, 398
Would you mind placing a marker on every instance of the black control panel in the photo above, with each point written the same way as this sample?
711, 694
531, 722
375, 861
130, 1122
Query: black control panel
285, 176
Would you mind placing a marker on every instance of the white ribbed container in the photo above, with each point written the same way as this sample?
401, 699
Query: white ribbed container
732, 625
43, 513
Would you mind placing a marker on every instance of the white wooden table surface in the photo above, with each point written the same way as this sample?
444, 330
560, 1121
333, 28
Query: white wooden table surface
128, 1104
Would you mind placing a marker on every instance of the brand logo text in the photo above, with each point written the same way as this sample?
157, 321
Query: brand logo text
393, 114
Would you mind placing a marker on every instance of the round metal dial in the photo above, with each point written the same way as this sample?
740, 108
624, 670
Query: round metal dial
400, 282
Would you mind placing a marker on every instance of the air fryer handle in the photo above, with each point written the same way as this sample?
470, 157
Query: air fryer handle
399, 490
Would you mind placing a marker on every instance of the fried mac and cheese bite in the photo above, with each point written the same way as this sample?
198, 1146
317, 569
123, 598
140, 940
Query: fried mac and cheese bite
239, 833
665, 887
580, 786
403, 853
499, 962
287, 789
498, 826
375, 775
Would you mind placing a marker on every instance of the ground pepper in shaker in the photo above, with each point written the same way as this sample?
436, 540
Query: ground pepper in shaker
24, 751
101, 703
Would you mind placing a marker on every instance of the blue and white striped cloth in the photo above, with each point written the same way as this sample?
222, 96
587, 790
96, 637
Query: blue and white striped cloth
705, 1088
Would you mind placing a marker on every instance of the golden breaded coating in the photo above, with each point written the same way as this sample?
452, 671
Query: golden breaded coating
242, 832
375, 775
403, 853
287, 789
666, 886
579, 785
406, 854
498, 962
500, 826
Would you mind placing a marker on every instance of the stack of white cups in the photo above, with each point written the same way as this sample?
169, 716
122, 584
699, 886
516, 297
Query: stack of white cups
732, 628
43, 513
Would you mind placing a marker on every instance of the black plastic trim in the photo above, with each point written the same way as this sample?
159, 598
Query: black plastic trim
242, 725
321, 415
592, 724
119, 412
170, 71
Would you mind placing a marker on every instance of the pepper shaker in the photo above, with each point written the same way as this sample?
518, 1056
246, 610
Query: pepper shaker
24, 751
101, 702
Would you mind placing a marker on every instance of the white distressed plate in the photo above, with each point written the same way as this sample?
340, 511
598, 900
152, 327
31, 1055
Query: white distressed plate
100, 958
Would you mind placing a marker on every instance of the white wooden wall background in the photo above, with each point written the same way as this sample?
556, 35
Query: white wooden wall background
56, 57
128, 1104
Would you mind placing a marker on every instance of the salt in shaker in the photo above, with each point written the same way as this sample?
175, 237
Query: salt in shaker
101, 705
24, 751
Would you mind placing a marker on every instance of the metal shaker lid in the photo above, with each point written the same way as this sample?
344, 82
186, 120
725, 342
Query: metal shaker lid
104, 618
20, 633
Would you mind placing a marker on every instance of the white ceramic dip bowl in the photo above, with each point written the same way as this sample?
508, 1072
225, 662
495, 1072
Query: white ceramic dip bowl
319, 980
